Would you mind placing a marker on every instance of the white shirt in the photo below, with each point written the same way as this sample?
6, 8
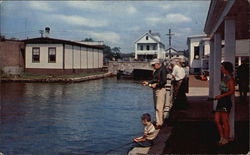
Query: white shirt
178, 73
149, 132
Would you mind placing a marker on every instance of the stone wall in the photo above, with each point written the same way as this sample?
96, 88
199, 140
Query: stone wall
114, 66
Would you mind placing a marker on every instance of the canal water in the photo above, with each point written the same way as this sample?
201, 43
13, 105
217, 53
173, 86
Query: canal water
78, 118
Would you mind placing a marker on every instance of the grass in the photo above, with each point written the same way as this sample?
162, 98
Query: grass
34, 76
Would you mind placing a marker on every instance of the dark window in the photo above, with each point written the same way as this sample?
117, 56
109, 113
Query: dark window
196, 52
141, 47
35, 54
203, 51
154, 47
52, 54
146, 37
197, 70
148, 47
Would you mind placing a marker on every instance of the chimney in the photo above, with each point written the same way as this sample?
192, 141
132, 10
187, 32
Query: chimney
41, 32
149, 31
47, 31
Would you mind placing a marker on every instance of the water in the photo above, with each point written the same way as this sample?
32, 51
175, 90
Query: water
80, 118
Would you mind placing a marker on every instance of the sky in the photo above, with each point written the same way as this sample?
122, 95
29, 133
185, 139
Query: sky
117, 23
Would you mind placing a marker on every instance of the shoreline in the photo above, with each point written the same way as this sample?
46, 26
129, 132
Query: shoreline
57, 80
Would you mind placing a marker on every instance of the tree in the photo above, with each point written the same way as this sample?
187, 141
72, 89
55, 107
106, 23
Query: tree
116, 52
107, 52
88, 39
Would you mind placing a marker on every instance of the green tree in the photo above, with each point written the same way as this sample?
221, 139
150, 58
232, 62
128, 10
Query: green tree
116, 52
88, 39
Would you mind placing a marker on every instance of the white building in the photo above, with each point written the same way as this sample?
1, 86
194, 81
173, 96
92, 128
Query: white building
58, 57
149, 46
199, 52
196, 53
174, 54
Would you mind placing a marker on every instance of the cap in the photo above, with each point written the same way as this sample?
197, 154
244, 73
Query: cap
155, 61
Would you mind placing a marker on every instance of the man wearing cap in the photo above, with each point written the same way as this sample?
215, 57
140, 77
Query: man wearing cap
159, 91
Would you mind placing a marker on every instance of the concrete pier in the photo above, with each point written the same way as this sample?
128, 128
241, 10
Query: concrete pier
192, 130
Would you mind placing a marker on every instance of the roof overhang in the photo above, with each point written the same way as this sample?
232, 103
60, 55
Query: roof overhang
47, 40
219, 10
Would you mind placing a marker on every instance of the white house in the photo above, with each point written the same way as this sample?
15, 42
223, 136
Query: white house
57, 57
199, 50
197, 54
175, 54
149, 46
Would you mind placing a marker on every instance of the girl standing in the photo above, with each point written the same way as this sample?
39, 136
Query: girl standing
224, 102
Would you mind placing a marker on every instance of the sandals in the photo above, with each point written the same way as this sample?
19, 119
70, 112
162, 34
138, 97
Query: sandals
223, 141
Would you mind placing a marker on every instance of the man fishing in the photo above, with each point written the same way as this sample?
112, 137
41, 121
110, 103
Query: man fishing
159, 91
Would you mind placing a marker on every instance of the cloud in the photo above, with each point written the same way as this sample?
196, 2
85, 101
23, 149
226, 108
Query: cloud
183, 31
85, 4
173, 18
154, 19
100, 6
80, 21
166, 6
134, 28
177, 18
131, 10
39, 5
105, 36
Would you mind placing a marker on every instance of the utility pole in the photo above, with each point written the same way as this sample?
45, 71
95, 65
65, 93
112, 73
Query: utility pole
169, 41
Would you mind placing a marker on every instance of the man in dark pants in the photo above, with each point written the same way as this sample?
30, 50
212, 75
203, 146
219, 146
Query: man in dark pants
243, 80
159, 91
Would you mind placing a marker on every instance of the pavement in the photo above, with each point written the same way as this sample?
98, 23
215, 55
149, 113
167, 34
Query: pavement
194, 131
191, 130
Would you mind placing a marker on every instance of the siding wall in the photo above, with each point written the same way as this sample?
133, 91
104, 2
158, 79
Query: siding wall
76, 57
44, 56
84, 62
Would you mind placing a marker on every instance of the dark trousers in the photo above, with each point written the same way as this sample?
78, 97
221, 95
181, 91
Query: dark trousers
146, 143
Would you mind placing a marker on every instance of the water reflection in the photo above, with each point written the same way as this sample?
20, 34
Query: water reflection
89, 117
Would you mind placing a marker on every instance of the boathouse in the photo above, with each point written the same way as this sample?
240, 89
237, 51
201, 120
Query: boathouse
52, 56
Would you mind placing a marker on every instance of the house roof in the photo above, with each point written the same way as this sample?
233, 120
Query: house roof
151, 36
47, 40
173, 51
196, 37
221, 10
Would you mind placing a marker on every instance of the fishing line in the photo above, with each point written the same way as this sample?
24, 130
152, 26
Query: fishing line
117, 147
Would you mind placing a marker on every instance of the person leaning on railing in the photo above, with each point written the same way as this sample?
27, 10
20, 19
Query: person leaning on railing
224, 102
178, 74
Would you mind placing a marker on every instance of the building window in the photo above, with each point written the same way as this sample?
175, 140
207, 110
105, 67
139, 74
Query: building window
146, 37
196, 52
154, 47
35, 54
148, 47
141, 47
52, 54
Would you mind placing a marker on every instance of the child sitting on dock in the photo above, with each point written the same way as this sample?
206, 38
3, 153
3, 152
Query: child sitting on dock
149, 132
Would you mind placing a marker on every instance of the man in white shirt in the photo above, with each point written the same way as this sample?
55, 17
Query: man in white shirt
178, 74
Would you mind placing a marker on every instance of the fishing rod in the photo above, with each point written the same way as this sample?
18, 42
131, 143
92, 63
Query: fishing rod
120, 146
211, 99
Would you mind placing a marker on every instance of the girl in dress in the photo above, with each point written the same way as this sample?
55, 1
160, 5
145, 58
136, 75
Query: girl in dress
224, 102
